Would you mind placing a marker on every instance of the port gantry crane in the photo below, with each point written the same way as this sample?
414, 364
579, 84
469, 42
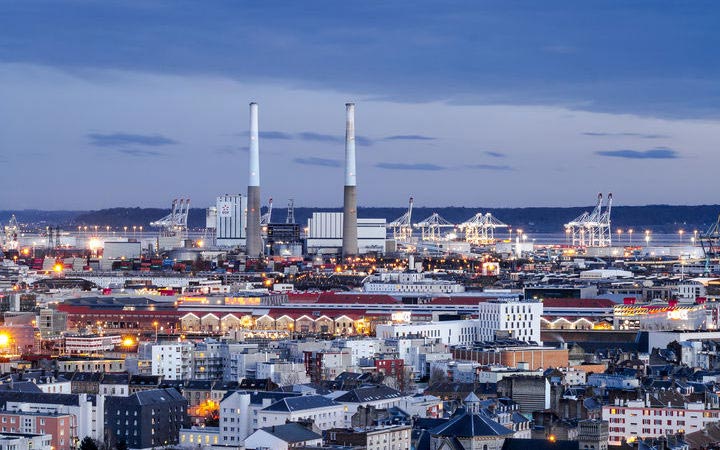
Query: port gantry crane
592, 229
11, 234
430, 228
401, 227
175, 223
710, 242
290, 211
480, 228
267, 217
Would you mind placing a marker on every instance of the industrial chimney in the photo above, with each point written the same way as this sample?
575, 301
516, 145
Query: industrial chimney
254, 240
350, 239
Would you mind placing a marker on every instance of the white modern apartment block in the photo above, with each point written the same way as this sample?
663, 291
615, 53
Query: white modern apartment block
451, 332
173, 361
360, 349
520, 319
637, 418
91, 344
282, 373
88, 410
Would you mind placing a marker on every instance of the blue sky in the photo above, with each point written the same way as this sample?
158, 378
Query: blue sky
476, 103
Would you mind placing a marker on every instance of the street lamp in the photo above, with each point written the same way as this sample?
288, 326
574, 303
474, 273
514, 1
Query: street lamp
619, 233
630, 232
681, 232
155, 324
647, 237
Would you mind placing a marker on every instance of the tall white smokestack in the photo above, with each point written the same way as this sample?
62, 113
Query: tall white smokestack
254, 240
350, 239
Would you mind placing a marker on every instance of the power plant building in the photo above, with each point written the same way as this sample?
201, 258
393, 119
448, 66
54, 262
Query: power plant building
325, 234
231, 217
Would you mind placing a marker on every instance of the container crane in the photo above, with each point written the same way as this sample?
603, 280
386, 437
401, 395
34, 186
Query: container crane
401, 227
430, 228
267, 217
175, 223
480, 228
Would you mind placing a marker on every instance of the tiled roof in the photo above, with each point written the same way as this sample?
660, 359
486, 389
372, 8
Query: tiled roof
578, 303
469, 425
371, 393
292, 433
301, 403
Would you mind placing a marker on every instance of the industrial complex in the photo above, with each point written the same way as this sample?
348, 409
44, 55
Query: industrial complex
256, 331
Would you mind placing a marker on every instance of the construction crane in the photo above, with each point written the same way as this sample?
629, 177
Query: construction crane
175, 223
430, 228
401, 227
480, 228
592, 229
290, 212
267, 217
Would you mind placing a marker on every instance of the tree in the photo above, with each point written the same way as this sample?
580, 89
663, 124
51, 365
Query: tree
289, 379
437, 375
88, 443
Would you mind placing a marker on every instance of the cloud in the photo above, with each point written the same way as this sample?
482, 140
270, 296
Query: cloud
322, 162
124, 139
656, 153
280, 135
331, 138
640, 135
409, 137
139, 152
318, 137
489, 167
406, 166
232, 150
495, 154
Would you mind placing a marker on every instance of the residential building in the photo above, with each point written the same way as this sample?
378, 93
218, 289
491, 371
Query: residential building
658, 414
283, 437
147, 419
324, 412
58, 426
514, 318
376, 438
172, 361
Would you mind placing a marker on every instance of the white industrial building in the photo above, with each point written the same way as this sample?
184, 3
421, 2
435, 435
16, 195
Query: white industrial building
413, 282
230, 219
118, 250
325, 233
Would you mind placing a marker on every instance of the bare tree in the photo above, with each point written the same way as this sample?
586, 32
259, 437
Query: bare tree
289, 378
437, 375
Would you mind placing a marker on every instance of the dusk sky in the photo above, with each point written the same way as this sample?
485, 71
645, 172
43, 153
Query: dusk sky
476, 103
